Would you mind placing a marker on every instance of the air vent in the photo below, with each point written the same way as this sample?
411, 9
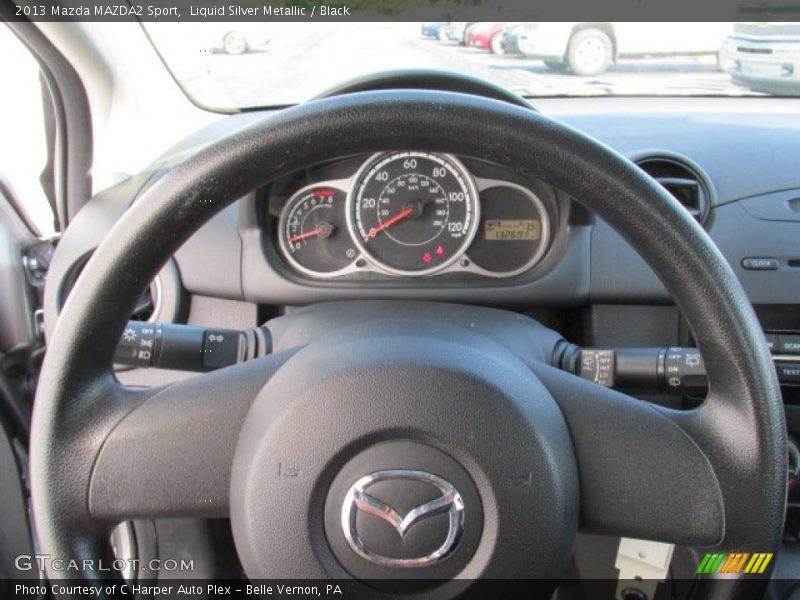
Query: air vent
685, 182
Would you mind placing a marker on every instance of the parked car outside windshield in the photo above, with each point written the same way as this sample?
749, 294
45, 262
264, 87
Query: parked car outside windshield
534, 59
591, 48
764, 57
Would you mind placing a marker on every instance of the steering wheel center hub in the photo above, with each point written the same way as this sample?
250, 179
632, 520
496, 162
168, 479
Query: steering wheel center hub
426, 455
402, 510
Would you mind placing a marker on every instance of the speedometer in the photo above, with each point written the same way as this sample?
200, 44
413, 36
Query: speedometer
413, 213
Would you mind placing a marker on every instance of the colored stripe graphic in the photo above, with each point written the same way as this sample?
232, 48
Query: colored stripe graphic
703, 564
734, 562
741, 561
729, 561
758, 564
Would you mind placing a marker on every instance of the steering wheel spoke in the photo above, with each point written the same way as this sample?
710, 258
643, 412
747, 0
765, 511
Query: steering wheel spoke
171, 455
641, 474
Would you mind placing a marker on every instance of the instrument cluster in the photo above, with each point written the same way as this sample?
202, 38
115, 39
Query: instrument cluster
410, 214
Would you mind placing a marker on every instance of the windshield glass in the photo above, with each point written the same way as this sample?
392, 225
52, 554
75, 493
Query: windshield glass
229, 65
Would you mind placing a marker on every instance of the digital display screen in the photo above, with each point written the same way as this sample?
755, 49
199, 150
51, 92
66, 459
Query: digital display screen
513, 230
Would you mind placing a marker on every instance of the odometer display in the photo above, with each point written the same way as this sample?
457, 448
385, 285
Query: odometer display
413, 212
512, 229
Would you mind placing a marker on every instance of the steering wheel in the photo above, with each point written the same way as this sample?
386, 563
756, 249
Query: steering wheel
383, 441
426, 79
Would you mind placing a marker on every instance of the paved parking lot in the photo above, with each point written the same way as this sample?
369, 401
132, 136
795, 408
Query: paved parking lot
303, 59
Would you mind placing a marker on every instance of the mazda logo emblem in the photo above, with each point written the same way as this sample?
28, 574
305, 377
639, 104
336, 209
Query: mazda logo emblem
358, 500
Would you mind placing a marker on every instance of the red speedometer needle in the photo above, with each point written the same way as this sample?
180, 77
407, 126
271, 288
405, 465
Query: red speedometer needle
308, 234
386, 224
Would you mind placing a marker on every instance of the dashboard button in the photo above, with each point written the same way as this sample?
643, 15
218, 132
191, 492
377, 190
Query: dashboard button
789, 343
788, 372
760, 264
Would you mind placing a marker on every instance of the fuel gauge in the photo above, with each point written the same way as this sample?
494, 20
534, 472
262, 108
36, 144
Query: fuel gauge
313, 231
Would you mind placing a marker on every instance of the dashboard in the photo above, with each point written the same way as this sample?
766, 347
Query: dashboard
411, 214
507, 239
419, 226
516, 242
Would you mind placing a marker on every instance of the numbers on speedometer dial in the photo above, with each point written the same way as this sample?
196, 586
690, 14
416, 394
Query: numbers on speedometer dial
413, 212
313, 231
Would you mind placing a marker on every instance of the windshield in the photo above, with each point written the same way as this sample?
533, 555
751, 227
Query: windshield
229, 65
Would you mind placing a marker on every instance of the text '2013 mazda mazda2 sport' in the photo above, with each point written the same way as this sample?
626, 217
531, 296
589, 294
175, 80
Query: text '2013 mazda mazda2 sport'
357, 309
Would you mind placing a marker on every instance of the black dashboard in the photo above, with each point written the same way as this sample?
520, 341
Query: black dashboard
736, 168
522, 243
476, 233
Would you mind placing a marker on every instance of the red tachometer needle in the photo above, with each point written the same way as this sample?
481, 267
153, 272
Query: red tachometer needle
386, 224
308, 234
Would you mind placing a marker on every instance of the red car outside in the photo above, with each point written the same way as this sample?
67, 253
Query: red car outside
487, 36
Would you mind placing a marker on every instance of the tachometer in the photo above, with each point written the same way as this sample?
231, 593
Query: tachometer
413, 213
313, 231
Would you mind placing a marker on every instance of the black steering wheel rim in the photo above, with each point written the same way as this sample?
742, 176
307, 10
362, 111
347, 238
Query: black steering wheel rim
79, 402
426, 79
